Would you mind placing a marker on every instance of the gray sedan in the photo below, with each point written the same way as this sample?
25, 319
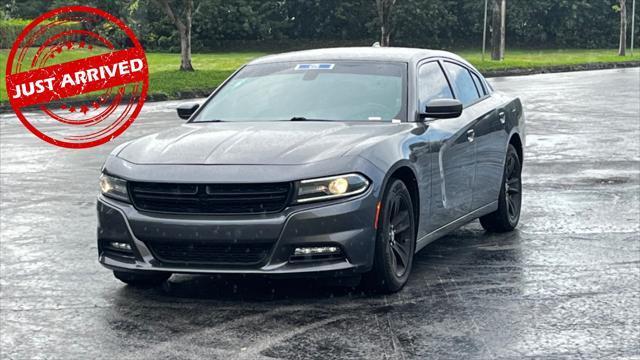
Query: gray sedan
324, 162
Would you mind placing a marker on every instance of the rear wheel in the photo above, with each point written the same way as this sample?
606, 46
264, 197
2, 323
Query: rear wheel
395, 241
507, 216
142, 279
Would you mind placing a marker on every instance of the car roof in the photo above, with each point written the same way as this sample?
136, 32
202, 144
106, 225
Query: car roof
391, 54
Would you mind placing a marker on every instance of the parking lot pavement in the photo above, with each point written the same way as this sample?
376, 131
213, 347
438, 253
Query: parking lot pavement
565, 284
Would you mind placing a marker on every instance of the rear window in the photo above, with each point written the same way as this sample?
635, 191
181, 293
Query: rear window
479, 85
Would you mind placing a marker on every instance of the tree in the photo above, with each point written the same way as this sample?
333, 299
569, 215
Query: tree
428, 24
385, 7
622, 9
498, 29
184, 29
26, 9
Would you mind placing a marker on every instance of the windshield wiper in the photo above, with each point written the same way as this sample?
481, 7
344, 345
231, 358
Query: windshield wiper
212, 120
302, 118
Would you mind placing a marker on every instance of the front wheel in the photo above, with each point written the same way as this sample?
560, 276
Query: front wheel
507, 216
395, 241
142, 279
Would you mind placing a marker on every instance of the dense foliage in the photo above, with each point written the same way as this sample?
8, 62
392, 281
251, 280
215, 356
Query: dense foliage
11, 28
281, 24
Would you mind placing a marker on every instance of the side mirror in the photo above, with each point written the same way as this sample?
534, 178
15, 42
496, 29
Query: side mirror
187, 109
442, 109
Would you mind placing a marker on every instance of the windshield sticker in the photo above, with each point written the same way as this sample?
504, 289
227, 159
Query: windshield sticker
315, 66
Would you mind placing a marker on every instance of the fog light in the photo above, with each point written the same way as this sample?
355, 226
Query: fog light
316, 250
120, 246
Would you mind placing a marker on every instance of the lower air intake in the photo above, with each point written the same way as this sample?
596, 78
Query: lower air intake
194, 253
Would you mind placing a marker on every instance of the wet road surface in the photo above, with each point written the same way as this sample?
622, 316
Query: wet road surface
566, 284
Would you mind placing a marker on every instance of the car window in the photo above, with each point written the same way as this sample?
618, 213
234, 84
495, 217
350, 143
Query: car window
478, 83
432, 84
461, 78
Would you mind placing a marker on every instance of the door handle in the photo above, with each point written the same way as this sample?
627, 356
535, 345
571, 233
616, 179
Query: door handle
502, 117
471, 135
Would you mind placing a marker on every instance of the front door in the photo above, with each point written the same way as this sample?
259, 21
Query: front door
453, 150
453, 167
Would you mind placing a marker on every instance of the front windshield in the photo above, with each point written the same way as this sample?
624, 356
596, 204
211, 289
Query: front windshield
333, 90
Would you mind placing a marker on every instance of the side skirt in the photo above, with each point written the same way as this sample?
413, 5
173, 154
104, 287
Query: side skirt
445, 229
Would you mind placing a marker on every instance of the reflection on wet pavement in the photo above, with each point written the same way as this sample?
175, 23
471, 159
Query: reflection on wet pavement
566, 284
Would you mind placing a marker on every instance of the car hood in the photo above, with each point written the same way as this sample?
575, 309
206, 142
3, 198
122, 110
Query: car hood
257, 143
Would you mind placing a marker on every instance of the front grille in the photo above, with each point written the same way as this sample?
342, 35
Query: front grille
210, 198
202, 253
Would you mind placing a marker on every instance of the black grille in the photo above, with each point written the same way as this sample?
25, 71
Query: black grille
194, 253
210, 198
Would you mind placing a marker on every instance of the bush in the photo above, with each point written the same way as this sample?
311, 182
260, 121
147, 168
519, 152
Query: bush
10, 29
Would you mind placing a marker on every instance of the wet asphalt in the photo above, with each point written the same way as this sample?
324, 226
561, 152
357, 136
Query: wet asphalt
566, 284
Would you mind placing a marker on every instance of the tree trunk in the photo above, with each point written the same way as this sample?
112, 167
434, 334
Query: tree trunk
185, 50
623, 28
496, 26
184, 31
503, 27
185, 41
384, 14
385, 36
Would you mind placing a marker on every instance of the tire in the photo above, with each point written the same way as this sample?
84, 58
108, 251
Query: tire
395, 241
141, 279
507, 216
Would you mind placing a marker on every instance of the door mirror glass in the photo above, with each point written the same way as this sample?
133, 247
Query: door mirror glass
187, 109
442, 109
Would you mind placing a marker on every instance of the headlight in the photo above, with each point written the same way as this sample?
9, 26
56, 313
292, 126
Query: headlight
331, 187
113, 187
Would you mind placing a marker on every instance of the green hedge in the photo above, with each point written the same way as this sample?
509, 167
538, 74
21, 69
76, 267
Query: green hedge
10, 29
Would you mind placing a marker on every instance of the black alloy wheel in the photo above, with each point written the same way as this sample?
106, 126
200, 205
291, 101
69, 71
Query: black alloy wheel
507, 216
399, 228
395, 241
513, 187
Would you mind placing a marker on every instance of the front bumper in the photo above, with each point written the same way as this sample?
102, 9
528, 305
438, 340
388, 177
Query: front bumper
348, 224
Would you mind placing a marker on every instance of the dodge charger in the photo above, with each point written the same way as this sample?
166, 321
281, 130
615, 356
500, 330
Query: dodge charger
339, 162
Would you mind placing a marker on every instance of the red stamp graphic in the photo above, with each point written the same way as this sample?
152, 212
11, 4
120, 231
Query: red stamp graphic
77, 77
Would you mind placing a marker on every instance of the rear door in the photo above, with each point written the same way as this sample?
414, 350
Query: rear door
491, 141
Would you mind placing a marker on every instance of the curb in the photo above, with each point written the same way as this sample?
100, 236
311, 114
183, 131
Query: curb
183, 95
560, 68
